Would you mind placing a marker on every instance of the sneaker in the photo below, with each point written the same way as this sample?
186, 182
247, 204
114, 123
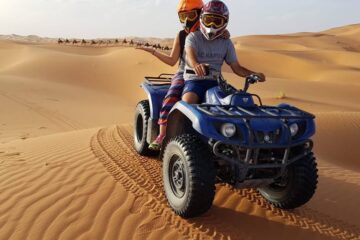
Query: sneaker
156, 144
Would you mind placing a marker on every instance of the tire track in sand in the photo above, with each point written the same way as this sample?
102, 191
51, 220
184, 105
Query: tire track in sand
142, 176
142, 180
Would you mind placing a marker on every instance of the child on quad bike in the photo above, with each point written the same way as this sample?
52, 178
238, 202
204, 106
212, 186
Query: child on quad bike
206, 52
189, 13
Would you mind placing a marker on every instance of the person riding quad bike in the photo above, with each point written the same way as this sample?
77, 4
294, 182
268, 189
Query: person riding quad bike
206, 52
221, 135
189, 16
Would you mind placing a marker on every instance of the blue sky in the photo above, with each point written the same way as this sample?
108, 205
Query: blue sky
158, 18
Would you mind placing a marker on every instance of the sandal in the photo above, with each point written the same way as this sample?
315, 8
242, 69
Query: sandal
156, 144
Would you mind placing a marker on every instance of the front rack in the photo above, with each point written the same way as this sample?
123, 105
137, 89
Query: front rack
230, 111
162, 79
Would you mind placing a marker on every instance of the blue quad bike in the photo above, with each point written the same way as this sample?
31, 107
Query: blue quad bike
228, 139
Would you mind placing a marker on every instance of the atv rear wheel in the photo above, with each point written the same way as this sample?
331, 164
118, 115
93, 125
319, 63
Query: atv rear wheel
297, 186
142, 114
188, 175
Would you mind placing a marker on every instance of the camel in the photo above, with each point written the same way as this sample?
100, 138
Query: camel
74, 41
60, 41
67, 41
83, 42
93, 42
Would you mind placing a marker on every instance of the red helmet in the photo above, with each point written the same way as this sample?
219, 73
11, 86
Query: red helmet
214, 19
189, 14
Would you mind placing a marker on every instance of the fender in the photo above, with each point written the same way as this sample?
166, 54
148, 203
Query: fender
156, 95
186, 118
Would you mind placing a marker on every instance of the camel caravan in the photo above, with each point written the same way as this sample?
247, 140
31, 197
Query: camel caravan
109, 42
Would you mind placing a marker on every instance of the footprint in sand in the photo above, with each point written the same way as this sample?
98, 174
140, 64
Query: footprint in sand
137, 205
156, 223
41, 128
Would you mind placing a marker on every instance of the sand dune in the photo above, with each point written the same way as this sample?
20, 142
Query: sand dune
77, 197
69, 171
344, 126
52, 189
331, 56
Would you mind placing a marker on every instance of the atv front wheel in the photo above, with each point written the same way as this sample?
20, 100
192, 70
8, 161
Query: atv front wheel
188, 175
295, 188
142, 114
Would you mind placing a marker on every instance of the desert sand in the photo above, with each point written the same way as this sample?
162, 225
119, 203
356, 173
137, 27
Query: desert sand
68, 169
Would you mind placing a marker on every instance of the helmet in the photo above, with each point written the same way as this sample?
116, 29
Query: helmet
214, 19
188, 5
189, 14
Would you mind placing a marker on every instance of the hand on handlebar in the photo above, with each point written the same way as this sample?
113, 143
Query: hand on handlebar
260, 77
256, 77
200, 69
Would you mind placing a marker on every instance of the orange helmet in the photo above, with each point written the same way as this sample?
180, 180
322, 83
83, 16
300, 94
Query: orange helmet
188, 5
189, 14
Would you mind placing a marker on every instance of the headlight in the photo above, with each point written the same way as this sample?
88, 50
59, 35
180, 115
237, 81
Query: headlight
228, 130
294, 129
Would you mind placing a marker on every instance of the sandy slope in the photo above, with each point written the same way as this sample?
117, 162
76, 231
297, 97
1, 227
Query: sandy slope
330, 56
61, 176
54, 189
51, 189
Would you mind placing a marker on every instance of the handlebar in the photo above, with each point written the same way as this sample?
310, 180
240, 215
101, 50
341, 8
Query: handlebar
227, 88
251, 79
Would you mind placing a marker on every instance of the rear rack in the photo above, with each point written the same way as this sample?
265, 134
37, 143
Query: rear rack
162, 79
230, 111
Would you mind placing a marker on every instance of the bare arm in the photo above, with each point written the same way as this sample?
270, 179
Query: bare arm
240, 70
174, 55
193, 62
244, 72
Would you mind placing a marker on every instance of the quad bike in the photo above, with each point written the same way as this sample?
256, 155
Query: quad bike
228, 139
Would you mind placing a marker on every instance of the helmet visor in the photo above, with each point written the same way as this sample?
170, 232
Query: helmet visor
188, 15
210, 20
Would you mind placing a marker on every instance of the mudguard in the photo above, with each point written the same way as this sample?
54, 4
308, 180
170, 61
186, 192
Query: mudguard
156, 94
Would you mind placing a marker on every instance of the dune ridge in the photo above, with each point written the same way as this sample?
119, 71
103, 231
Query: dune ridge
330, 56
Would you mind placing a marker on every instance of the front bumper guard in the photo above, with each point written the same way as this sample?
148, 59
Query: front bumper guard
244, 165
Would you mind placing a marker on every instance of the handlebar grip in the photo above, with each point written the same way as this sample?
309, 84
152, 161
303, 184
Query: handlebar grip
252, 78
